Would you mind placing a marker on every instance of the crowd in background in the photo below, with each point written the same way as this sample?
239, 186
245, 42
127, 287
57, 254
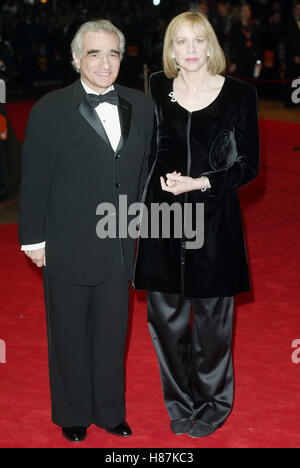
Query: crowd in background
261, 38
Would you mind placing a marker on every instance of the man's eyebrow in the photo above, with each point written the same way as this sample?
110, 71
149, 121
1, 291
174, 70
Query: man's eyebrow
92, 51
96, 51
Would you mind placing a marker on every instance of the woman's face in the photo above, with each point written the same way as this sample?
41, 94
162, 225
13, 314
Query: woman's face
190, 48
245, 13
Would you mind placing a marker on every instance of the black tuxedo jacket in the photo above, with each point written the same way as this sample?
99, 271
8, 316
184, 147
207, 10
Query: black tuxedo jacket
69, 168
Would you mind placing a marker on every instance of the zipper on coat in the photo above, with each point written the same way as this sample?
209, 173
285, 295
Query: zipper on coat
188, 171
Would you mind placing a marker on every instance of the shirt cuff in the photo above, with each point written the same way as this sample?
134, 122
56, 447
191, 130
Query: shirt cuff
41, 245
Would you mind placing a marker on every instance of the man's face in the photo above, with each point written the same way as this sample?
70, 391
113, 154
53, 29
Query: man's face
100, 62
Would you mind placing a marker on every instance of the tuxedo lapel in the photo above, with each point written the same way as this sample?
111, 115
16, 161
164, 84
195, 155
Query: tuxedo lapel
125, 120
91, 116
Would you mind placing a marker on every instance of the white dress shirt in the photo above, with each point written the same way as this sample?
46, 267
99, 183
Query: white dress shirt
109, 116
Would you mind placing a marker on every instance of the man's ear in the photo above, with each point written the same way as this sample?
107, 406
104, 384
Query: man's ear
76, 61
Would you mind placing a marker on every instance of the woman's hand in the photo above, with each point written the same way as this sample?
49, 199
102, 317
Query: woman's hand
178, 184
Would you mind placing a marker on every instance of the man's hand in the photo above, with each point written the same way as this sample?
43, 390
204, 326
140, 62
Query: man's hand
37, 256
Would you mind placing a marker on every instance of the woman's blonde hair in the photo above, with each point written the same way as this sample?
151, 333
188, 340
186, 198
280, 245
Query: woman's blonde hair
216, 59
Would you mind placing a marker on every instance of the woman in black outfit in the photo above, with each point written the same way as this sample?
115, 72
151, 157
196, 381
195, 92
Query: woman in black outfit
207, 148
245, 48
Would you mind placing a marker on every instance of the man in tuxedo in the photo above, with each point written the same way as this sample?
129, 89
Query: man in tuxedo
85, 144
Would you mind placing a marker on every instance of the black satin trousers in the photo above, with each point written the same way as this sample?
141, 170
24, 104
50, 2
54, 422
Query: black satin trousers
193, 343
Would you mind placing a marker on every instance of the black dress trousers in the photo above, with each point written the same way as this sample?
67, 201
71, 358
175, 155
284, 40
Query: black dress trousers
194, 351
87, 329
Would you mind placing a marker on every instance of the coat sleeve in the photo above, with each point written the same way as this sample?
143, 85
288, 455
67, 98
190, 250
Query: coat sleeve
38, 162
149, 136
246, 166
153, 149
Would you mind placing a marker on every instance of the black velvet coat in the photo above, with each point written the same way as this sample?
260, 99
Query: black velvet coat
221, 142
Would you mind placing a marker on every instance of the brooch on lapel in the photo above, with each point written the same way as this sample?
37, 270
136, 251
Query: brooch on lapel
172, 95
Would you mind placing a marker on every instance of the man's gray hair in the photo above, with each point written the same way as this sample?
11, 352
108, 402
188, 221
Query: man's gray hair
95, 26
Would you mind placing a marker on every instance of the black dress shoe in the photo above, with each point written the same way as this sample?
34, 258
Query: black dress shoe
74, 434
122, 430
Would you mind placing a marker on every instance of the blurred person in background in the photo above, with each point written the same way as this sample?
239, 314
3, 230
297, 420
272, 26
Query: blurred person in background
262, 10
10, 6
27, 46
8, 67
203, 8
292, 52
273, 41
10, 159
4, 185
221, 23
244, 45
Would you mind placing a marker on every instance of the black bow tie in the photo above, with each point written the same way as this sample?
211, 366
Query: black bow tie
95, 99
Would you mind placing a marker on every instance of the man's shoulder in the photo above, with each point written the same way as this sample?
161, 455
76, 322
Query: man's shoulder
159, 84
133, 96
56, 99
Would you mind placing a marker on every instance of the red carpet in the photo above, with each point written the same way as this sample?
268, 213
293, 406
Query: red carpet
18, 114
267, 402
